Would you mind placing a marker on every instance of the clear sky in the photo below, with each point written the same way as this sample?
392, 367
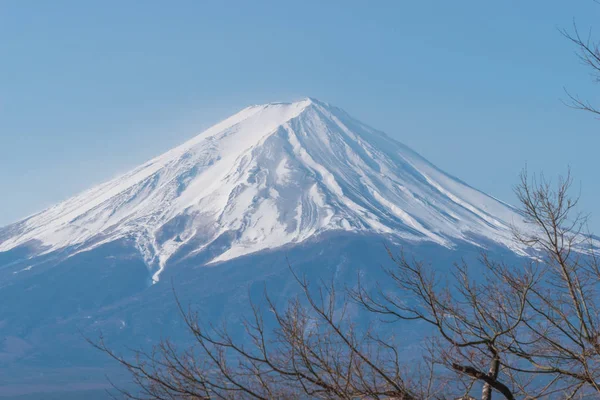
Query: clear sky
91, 89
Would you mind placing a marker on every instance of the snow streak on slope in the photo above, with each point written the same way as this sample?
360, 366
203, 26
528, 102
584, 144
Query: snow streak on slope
268, 176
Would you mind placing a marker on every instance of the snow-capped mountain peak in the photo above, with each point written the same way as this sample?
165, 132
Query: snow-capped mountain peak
265, 177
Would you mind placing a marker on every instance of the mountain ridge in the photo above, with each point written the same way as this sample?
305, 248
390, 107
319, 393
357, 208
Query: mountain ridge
267, 176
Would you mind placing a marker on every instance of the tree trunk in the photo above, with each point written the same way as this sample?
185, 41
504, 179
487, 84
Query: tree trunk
486, 393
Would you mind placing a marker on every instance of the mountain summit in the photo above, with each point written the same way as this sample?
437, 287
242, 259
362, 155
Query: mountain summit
268, 176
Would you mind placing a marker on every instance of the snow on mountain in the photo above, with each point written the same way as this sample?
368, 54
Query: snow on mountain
268, 176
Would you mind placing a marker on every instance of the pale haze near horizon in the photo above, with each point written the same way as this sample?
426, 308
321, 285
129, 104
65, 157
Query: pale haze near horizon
88, 91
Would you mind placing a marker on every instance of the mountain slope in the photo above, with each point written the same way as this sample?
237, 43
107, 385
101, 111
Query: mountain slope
270, 175
217, 219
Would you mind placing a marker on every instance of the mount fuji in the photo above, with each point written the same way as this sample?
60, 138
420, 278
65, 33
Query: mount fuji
268, 176
216, 218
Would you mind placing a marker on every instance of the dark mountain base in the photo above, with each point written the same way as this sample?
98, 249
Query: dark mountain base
47, 310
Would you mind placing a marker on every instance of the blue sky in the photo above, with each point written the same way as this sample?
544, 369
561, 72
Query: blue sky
91, 89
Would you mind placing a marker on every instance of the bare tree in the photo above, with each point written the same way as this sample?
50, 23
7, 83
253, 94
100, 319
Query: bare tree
315, 351
588, 52
524, 331
529, 330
